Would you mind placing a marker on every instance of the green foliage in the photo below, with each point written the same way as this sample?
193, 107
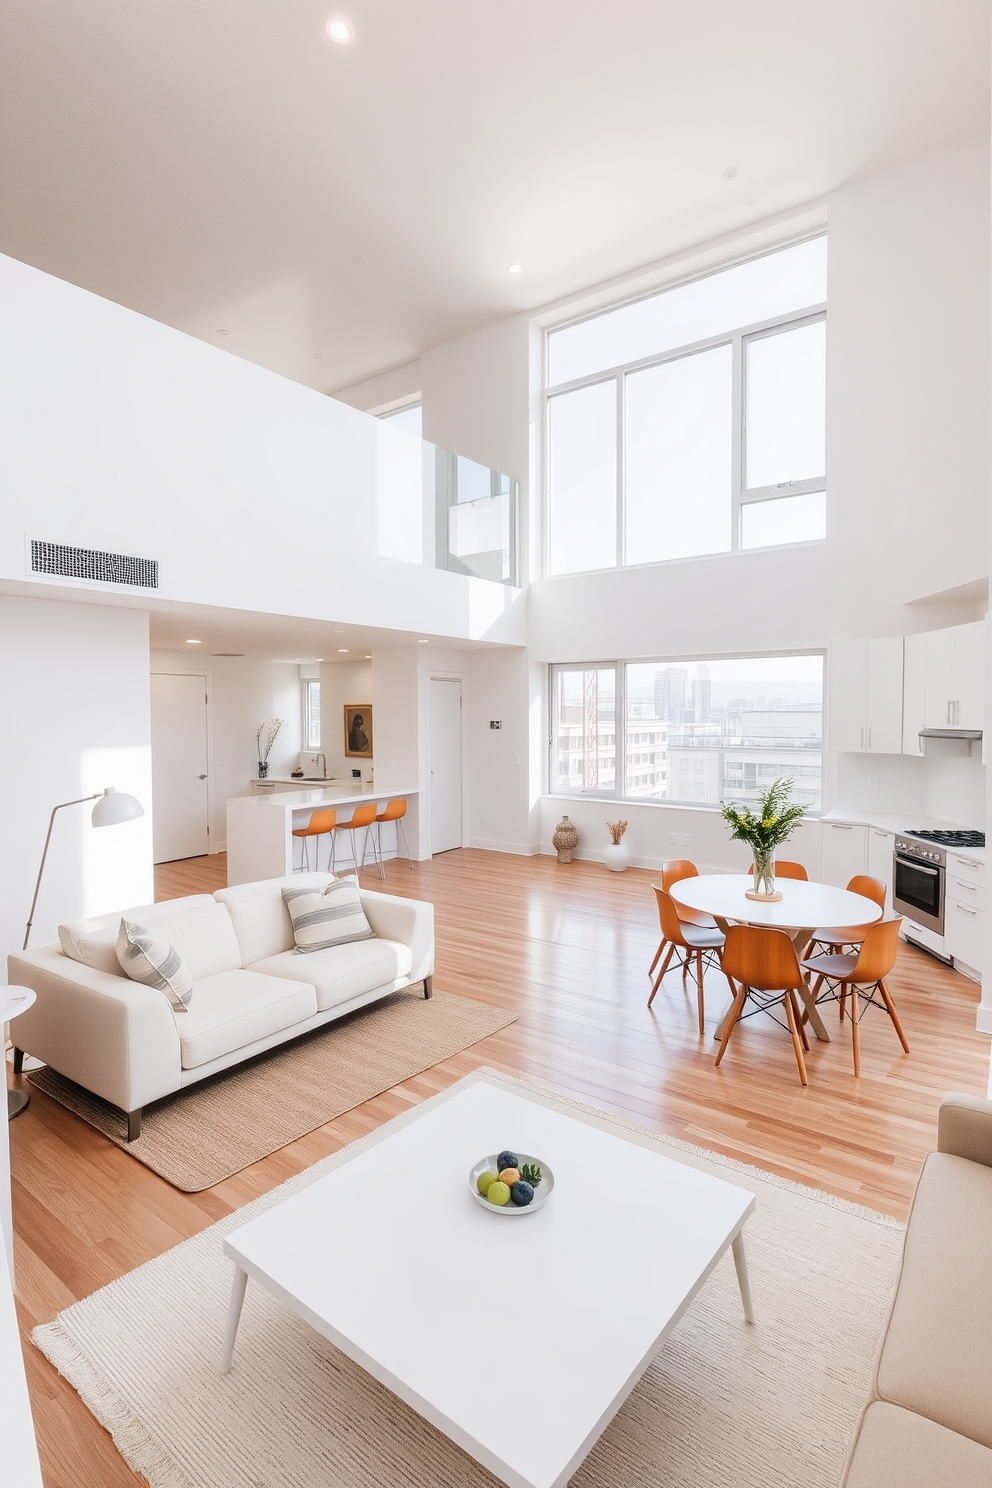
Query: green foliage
531, 1173
771, 824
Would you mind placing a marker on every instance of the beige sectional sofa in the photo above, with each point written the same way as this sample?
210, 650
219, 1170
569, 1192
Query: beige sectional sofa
929, 1421
251, 991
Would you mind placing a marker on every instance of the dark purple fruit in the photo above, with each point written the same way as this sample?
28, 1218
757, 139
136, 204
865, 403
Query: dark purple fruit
506, 1159
521, 1193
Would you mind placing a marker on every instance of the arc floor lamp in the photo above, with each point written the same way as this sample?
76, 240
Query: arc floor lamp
112, 808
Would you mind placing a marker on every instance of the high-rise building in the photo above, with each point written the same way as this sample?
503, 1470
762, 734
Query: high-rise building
670, 693
701, 694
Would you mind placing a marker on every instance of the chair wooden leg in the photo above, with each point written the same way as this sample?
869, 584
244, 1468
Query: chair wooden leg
790, 1013
843, 999
657, 956
855, 1031
890, 1008
699, 983
735, 1013
664, 968
802, 1032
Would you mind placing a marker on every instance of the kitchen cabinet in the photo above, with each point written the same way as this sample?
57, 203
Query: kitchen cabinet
964, 912
843, 852
955, 677
914, 693
881, 846
866, 701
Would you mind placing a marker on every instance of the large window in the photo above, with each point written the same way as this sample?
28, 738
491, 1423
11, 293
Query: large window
688, 731
692, 422
311, 713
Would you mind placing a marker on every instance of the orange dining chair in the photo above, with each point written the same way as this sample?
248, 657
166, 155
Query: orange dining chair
691, 942
393, 811
850, 935
672, 873
764, 963
319, 823
364, 816
849, 973
785, 869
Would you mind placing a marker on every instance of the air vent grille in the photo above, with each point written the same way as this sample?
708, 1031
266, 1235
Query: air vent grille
88, 563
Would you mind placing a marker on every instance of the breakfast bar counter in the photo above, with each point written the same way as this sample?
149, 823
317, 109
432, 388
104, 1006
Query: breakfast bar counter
260, 828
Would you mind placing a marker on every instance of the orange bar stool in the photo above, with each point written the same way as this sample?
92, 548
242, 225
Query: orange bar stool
394, 811
319, 823
364, 816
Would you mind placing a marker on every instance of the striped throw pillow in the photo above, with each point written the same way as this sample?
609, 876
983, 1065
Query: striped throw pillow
327, 917
149, 958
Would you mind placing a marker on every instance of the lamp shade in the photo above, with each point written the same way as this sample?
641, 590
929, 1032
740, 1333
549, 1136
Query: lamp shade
114, 807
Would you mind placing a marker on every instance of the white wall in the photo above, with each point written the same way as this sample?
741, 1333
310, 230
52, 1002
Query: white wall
242, 692
340, 683
504, 788
74, 679
124, 435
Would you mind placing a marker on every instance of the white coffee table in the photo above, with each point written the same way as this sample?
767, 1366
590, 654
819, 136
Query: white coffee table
475, 1319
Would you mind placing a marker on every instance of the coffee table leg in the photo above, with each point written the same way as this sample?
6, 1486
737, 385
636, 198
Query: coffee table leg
740, 1261
234, 1318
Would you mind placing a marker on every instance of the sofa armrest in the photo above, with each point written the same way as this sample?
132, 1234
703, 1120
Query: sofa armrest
964, 1127
410, 921
113, 1036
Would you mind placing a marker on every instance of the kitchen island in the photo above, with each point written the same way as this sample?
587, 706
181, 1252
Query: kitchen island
260, 841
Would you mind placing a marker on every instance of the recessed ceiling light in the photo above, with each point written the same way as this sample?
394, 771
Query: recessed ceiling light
751, 204
356, 260
191, 642
342, 650
423, 643
220, 331
318, 356
731, 173
514, 268
339, 30
368, 656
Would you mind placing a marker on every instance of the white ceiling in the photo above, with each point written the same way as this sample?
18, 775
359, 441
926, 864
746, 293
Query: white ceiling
220, 164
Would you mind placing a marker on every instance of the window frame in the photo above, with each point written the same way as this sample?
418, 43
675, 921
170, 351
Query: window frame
738, 339
621, 740
309, 684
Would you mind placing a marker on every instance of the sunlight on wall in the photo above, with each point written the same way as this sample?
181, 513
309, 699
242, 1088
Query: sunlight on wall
487, 602
399, 495
116, 861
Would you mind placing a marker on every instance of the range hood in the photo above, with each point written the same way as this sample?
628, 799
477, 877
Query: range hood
949, 741
950, 733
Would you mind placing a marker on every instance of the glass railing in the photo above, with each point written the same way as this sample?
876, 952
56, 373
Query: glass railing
442, 510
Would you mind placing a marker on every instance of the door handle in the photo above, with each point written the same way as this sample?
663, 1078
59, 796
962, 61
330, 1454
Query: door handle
862, 744
869, 736
201, 777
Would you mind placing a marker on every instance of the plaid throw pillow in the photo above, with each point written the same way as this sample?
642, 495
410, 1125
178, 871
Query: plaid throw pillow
327, 917
149, 958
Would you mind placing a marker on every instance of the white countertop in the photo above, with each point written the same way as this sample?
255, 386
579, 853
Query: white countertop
335, 793
904, 825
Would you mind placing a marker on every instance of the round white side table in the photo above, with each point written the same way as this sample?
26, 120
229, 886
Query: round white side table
16, 1000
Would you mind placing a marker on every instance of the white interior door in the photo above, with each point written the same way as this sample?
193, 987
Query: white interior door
179, 766
446, 763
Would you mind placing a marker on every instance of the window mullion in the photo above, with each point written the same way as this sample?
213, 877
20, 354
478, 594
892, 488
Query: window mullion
621, 473
620, 731
738, 443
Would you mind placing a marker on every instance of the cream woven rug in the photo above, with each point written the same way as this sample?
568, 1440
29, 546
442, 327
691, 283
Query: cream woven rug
724, 1405
208, 1131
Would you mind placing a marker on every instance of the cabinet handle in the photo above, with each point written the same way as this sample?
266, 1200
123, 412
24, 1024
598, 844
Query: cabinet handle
862, 744
964, 908
971, 862
880, 834
869, 736
840, 827
963, 883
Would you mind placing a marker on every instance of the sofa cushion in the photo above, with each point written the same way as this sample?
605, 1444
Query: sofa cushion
93, 941
259, 915
234, 1008
894, 1448
325, 917
344, 971
205, 939
935, 1349
147, 957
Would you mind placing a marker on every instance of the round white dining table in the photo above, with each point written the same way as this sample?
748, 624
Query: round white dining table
803, 908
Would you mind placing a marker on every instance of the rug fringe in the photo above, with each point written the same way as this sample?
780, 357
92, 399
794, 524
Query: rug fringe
139, 1448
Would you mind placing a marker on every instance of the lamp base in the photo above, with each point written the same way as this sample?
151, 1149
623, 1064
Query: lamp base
17, 1100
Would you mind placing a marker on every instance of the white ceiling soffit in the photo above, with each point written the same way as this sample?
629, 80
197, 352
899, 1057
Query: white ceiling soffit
339, 209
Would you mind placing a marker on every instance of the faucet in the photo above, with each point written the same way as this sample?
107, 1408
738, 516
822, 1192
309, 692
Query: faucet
323, 761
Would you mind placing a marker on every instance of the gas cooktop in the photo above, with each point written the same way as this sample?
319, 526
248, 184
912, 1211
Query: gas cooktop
951, 839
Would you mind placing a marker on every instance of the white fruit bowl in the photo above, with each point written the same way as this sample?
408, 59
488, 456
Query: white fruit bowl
542, 1192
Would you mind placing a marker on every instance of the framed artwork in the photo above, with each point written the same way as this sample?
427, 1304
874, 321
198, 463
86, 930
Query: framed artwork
358, 730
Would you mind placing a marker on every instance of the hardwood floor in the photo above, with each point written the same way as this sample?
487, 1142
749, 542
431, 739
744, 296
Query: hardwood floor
568, 947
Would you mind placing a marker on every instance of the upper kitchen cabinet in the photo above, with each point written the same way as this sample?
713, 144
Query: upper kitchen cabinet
866, 704
944, 682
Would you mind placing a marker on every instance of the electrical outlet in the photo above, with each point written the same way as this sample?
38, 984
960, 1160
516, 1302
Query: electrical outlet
673, 837
222, 759
483, 818
686, 839
873, 782
516, 759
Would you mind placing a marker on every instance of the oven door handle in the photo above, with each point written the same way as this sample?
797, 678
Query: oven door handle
920, 867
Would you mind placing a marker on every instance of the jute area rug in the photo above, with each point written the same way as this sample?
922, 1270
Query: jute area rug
723, 1406
203, 1134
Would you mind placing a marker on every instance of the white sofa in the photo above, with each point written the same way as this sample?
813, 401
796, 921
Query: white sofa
251, 991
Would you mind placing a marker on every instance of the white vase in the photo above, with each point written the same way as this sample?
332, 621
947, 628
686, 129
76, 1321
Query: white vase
617, 856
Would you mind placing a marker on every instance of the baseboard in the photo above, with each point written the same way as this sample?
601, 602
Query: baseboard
983, 1023
489, 844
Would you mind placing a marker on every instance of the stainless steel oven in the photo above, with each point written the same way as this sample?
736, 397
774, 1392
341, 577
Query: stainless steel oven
918, 870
